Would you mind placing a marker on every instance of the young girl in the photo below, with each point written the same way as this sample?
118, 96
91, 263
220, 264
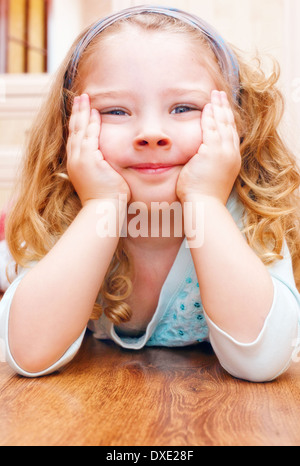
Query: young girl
152, 108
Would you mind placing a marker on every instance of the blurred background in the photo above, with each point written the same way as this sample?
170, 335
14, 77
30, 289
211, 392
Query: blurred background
36, 34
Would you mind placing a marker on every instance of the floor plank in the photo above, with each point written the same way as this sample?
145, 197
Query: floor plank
154, 397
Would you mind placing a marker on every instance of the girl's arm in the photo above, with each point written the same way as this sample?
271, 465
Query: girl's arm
54, 301
236, 287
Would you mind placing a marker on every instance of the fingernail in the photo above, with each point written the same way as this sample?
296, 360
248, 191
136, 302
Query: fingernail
215, 96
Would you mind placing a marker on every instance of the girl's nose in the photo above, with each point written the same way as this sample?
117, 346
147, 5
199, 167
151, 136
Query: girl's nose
152, 141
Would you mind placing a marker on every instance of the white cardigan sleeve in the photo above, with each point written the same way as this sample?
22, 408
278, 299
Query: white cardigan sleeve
273, 350
5, 354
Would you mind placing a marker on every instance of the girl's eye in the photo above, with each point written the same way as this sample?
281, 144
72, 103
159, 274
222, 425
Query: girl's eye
114, 111
184, 109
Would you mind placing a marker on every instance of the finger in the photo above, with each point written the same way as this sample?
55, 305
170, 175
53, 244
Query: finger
209, 126
71, 146
78, 124
220, 109
83, 115
75, 109
224, 117
208, 119
231, 120
236, 139
228, 109
93, 129
90, 142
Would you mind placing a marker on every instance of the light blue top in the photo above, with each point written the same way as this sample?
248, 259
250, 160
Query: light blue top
179, 317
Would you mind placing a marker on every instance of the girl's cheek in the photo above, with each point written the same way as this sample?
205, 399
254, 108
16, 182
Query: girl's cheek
192, 140
112, 143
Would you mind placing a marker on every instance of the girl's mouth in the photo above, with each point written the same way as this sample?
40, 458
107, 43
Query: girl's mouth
152, 168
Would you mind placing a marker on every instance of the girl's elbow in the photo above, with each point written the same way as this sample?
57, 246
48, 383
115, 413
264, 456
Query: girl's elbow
30, 363
258, 371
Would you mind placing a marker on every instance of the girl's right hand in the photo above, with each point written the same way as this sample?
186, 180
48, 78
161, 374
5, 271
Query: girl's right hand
91, 176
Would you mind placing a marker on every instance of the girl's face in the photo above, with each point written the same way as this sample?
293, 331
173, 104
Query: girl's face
150, 89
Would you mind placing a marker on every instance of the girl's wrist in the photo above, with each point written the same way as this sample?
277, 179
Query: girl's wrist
119, 199
108, 213
109, 204
200, 197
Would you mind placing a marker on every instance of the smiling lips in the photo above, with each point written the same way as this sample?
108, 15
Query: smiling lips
152, 168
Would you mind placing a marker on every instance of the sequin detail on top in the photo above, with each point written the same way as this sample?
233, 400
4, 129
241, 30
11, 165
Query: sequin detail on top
184, 322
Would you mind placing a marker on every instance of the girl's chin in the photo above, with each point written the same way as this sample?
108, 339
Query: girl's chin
157, 197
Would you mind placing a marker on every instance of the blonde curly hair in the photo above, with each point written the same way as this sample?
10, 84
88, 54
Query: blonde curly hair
267, 186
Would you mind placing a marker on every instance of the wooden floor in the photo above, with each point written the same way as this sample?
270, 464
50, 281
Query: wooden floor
108, 396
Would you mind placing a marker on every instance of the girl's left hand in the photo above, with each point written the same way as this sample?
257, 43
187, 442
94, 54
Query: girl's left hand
213, 170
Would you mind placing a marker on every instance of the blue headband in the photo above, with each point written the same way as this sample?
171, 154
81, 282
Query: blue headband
226, 58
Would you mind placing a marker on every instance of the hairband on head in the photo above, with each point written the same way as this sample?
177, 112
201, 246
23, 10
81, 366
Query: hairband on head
226, 58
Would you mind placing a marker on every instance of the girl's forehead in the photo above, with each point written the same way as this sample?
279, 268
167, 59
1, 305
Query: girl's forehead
147, 62
131, 55
131, 32
132, 41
